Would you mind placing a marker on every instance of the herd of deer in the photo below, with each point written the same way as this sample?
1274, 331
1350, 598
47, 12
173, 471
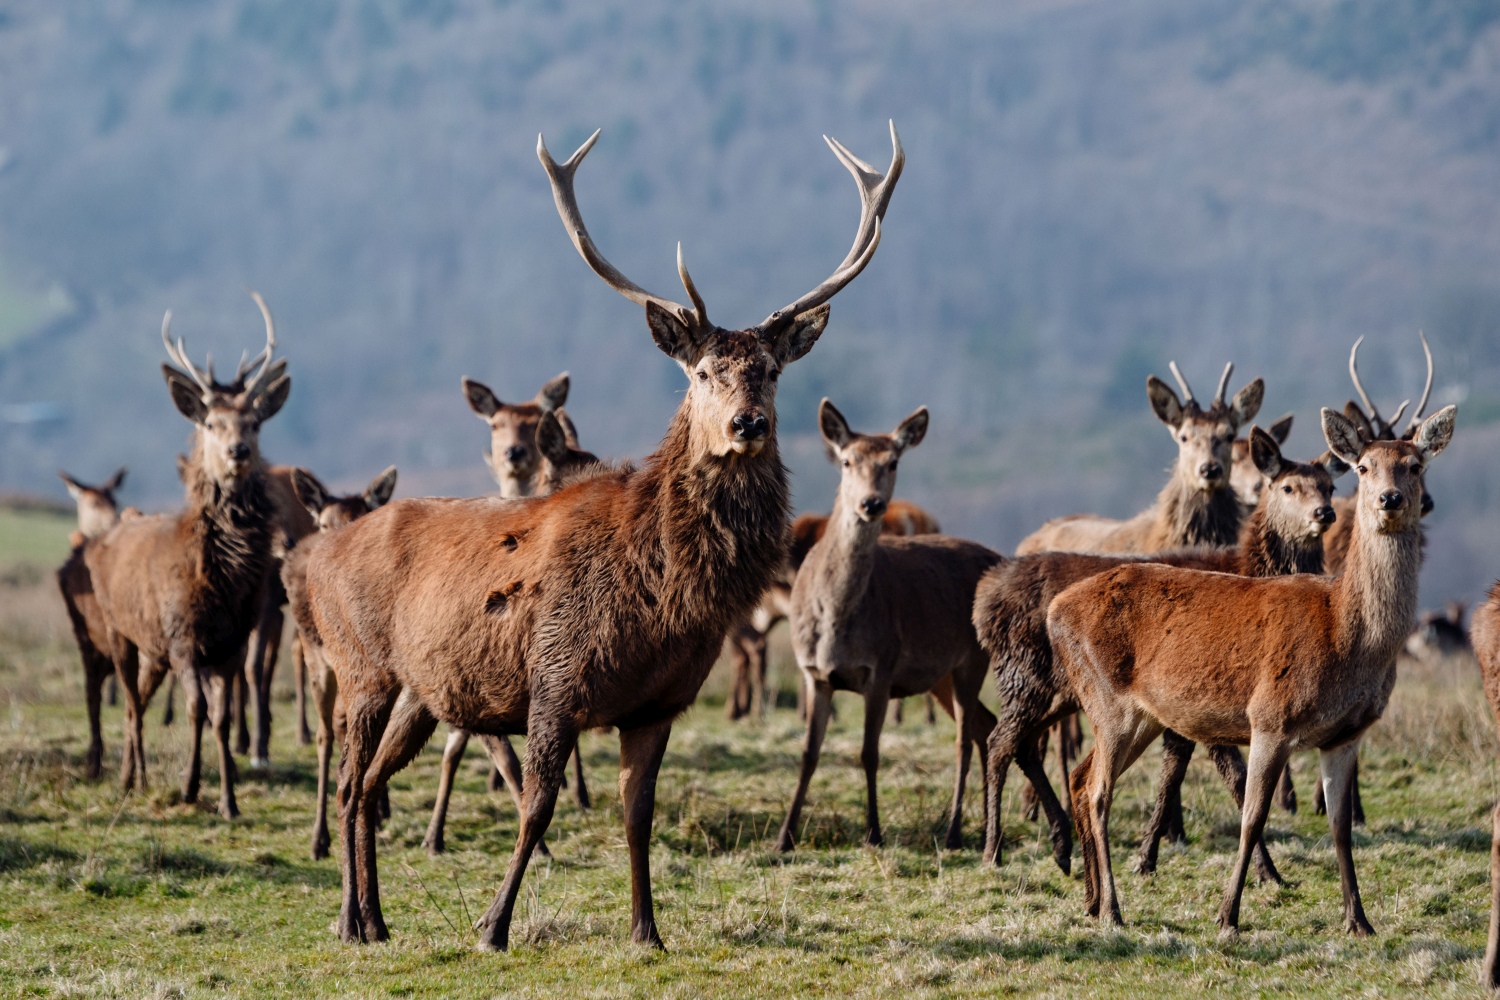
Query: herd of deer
1246, 607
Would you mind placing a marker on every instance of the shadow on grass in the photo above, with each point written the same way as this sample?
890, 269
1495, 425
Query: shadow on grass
18, 854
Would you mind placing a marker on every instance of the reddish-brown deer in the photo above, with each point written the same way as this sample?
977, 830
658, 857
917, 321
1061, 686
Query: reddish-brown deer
1301, 661
1197, 506
331, 513
884, 616
604, 604
1486, 640
181, 593
1010, 615
513, 455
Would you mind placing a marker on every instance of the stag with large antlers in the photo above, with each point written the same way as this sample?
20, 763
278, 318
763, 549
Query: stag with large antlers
604, 604
181, 593
1302, 661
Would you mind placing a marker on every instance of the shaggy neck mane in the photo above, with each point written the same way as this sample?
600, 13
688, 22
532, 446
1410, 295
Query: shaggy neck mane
1264, 552
233, 526
1188, 516
712, 530
1376, 597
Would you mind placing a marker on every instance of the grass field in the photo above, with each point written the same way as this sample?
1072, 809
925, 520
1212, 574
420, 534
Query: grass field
108, 897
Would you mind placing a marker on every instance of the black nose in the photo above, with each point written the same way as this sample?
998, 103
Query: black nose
1324, 515
1210, 470
240, 452
874, 506
1427, 504
515, 452
751, 428
1392, 500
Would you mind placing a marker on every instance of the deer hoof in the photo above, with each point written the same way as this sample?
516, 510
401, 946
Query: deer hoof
259, 763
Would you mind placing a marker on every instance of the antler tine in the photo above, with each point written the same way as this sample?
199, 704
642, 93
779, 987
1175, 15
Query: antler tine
178, 354
264, 357
1396, 417
699, 308
1375, 417
874, 196
561, 176
1223, 385
1416, 415
1182, 383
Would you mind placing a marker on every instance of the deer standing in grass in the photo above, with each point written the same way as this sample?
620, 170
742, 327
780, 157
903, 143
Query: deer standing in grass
604, 604
1293, 662
1282, 536
181, 593
331, 513
555, 441
1486, 640
884, 616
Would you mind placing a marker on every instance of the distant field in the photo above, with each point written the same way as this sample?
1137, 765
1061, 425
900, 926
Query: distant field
33, 539
108, 897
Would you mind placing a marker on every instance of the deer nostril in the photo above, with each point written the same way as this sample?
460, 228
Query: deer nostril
239, 452
750, 428
515, 452
1392, 500
1210, 470
874, 506
1324, 515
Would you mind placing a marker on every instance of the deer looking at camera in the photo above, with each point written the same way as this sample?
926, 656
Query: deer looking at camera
604, 604
555, 441
513, 456
1295, 662
1283, 535
1486, 640
884, 616
330, 513
181, 593
1196, 507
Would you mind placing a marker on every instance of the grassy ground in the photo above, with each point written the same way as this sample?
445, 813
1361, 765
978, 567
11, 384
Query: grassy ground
32, 543
102, 896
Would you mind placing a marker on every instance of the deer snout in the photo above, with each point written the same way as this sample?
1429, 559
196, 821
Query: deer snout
1324, 515
515, 453
1392, 500
240, 452
872, 506
751, 425
1210, 471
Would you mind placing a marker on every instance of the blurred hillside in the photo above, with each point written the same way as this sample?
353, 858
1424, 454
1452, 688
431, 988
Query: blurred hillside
1092, 189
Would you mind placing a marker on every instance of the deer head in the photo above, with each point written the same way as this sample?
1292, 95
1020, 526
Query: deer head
512, 455
98, 510
867, 462
1389, 498
1372, 426
228, 415
1244, 476
557, 442
1297, 496
732, 374
1204, 436
334, 512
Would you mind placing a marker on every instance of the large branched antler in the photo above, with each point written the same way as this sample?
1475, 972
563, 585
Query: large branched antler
1416, 415
258, 383
177, 352
204, 377
1386, 429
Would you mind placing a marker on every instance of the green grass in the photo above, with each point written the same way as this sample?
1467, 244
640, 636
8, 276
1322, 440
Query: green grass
102, 896
32, 541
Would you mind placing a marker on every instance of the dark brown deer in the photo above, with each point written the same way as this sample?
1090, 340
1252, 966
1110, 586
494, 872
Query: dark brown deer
1196, 507
604, 604
884, 616
1010, 616
181, 593
331, 513
1486, 640
555, 441
1296, 662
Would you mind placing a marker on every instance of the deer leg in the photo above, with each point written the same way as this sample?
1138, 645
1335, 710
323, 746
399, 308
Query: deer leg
1110, 757
453, 755
132, 755
1231, 767
898, 710
641, 751
1286, 792
94, 677
264, 650
194, 701
1078, 790
112, 697
324, 694
931, 709
219, 684
869, 758
1489, 969
168, 716
1000, 748
1058, 820
1029, 801
580, 790
1338, 771
961, 753
975, 724
736, 705
364, 720
1268, 756
299, 669
819, 698
758, 677
242, 687
503, 757
1176, 752
1356, 807
549, 741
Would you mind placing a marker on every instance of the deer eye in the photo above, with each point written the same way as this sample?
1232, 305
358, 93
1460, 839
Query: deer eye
702, 375
1286, 489
1361, 470
893, 466
775, 374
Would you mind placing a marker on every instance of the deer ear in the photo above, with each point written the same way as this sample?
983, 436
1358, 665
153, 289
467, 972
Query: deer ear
1164, 402
481, 400
1342, 436
1265, 453
1361, 423
554, 394
378, 493
1246, 403
1332, 464
1436, 431
833, 426
672, 336
912, 430
1282, 428
570, 433
75, 488
550, 439
270, 402
186, 395
799, 337
310, 492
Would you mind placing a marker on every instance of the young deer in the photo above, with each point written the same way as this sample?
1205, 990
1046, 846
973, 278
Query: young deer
1244, 477
330, 513
514, 456
1010, 616
181, 593
556, 442
1196, 507
884, 616
1302, 661
604, 604
1486, 639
